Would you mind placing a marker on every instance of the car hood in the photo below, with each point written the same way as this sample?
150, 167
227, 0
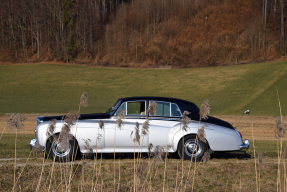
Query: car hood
82, 117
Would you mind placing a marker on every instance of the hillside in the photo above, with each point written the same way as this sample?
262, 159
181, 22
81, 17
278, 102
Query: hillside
51, 88
150, 33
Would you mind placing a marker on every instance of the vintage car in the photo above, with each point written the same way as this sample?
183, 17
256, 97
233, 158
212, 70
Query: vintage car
102, 133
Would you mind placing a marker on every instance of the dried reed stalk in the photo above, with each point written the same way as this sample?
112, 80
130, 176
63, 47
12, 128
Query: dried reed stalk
119, 182
203, 114
41, 174
49, 133
63, 139
184, 126
255, 162
15, 122
260, 162
101, 127
177, 173
165, 166
119, 124
22, 170
280, 133
135, 139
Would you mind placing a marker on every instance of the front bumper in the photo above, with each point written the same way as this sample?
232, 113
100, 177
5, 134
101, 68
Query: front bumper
34, 145
245, 145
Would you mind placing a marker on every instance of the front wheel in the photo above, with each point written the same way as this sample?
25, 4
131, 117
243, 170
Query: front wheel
61, 151
190, 147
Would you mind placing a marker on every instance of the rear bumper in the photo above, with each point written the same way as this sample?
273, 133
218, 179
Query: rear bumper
245, 145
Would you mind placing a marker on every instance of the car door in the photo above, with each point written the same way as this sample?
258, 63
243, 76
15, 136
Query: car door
164, 124
121, 139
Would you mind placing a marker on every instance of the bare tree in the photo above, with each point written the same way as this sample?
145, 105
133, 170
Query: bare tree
282, 30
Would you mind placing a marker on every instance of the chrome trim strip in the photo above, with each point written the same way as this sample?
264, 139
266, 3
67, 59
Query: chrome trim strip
245, 145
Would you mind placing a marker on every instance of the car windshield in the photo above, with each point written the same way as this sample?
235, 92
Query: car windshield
112, 108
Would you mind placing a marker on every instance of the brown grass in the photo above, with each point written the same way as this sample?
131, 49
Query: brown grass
263, 125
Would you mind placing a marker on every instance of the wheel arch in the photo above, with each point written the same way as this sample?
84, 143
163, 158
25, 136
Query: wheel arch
177, 140
72, 137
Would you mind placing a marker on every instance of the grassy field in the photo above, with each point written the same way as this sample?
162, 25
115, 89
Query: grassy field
49, 89
54, 88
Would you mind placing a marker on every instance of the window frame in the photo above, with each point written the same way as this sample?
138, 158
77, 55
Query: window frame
170, 104
126, 108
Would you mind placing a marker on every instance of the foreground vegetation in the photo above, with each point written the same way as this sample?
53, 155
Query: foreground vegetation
224, 171
51, 88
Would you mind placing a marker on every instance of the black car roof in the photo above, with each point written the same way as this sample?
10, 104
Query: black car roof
183, 104
170, 99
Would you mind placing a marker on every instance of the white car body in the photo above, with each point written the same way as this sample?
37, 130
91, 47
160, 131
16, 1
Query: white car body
164, 131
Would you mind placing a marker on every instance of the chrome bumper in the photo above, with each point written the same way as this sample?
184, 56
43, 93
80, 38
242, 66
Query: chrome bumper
245, 145
34, 145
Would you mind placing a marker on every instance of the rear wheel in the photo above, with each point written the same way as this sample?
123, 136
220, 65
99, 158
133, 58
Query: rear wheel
190, 147
61, 151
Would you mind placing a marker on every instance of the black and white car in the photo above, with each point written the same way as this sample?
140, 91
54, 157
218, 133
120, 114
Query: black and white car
166, 127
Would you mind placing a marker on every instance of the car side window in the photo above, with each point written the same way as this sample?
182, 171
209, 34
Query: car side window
135, 108
167, 109
175, 112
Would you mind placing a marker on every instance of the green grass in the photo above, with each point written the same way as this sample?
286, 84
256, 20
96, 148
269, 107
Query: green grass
7, 146
51, 88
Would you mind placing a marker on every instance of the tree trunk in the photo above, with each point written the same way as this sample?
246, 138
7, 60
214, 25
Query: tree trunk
38, 45
11, 22
282, 30
265, 5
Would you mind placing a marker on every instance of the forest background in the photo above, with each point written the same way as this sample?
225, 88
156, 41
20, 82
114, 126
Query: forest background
149, 33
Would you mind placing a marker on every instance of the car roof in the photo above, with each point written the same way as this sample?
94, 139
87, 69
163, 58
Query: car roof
168, 99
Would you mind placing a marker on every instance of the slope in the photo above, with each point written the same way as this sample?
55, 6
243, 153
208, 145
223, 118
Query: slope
51, 88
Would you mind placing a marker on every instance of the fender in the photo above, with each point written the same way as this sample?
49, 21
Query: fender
192, 130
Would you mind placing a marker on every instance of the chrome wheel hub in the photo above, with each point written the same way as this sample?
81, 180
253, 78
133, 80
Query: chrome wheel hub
61, 149
191, 148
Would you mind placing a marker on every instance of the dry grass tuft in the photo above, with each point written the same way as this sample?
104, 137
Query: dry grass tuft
280, 131
87, 145
37, 149
84, 99
152, 109
16, 121
206, 156
201, 134
71, 118
158, 153
101, 124
51, 128
145, 127
204, 109
150, 146
185, 120
139, 173
137, 134
120, 118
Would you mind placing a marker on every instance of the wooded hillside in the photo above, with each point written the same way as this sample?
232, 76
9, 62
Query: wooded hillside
176, 33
